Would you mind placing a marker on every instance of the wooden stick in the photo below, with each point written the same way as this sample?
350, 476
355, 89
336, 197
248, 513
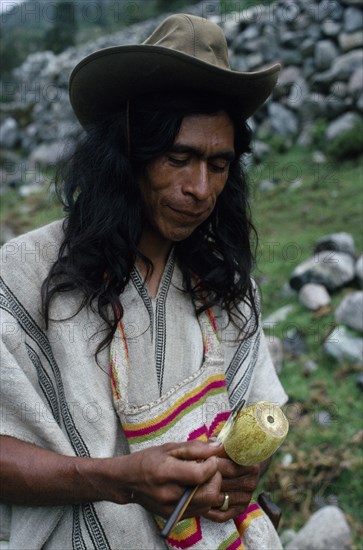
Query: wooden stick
190, 491
179, 510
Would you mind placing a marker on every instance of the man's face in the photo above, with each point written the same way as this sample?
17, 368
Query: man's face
180, 189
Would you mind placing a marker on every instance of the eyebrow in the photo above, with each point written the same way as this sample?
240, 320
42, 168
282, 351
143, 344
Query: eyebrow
181, 148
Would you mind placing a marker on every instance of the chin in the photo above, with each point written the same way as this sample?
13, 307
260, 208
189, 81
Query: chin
178, 236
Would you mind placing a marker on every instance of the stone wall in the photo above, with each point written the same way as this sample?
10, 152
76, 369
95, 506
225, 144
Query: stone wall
319, 44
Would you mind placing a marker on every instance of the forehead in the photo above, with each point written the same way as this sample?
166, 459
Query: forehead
208, 133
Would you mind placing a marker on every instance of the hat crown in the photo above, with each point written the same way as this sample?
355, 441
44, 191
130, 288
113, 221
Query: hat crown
193, 36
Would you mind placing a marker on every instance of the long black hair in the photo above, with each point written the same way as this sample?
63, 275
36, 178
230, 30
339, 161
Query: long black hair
98, 185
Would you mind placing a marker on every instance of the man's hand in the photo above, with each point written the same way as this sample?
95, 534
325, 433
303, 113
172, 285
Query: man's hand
155, 478
239, 482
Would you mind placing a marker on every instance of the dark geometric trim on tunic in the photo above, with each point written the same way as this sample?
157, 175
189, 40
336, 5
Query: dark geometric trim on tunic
160, 316
78, 542
160, 321
94, 527
45, 383
246, 354
30, 327
140, 287
238, 392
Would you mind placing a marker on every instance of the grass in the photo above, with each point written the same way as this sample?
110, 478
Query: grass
308, 201
21, 214
321, 462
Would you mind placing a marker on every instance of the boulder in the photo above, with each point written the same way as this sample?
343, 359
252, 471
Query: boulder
314, 296
341, 69
313, 106
294, 342
344, 65
355, 84
309, 367
325, 52
343, 346
290, 57
359, 271
287, 78
335, 106
47, 154
231, 29
339, 89
328, 268
275, 348
6, 233
278, 316
283, 121
343, 124
260, 150
350, 311
350, 41
353, 19
254, 61
326, 529
298, 93
305, 138
330, 27
307, 47
9, 133
291, 39
319, 157
314, 31
318, 42
340, 242
21, 111
286, 536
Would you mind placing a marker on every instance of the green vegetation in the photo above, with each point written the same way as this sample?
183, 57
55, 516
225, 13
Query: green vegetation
308, 201
318, 133
321, 461
349, 143
62, 33
55, 26
21, 214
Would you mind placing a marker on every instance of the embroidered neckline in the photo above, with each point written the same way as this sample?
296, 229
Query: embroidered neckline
157, 321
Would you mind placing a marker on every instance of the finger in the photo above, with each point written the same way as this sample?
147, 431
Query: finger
240, 484
220, 517
230, 469
194, 450
206, 497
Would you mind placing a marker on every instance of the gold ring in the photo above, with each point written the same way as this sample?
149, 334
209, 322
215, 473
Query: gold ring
225, 504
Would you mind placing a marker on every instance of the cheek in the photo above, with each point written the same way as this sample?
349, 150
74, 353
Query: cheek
219, 186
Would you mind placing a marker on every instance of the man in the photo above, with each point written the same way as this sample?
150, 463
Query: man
151, 277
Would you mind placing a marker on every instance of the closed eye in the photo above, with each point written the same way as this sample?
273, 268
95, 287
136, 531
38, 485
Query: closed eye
219, 167
178, 161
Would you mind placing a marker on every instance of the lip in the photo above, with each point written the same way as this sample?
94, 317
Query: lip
188, 213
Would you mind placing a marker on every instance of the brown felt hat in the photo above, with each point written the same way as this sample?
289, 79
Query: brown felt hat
185, 52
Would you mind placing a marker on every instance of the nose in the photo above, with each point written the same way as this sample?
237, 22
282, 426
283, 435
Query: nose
198, 182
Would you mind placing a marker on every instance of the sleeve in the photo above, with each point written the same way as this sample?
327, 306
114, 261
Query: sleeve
28, 406
250, 373
265, 384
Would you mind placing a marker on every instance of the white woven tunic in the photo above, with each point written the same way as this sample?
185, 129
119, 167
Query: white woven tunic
54, 394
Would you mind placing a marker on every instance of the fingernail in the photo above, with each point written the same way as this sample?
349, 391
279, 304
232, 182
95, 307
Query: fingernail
215, 443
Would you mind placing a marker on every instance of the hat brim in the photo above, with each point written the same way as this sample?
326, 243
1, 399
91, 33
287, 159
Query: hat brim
102, 82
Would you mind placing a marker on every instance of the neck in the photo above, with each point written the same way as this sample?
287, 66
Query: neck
157, 251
